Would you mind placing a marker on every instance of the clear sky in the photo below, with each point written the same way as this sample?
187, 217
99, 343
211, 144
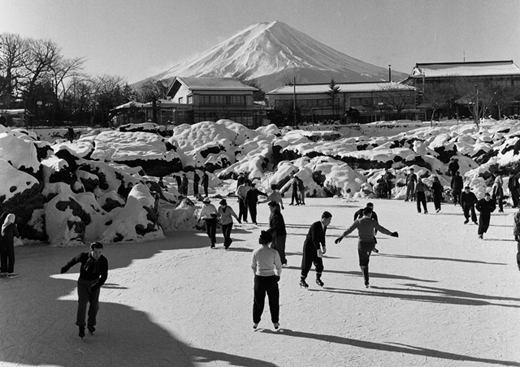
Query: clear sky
137, 39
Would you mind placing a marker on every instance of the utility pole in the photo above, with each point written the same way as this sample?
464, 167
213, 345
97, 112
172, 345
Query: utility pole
294, 101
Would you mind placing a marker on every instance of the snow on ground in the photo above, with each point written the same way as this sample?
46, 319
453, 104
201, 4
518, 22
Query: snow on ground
437, 300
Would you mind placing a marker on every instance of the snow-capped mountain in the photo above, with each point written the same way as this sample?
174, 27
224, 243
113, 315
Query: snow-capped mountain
274, 54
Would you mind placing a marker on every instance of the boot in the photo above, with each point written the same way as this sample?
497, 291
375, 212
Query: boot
364, 270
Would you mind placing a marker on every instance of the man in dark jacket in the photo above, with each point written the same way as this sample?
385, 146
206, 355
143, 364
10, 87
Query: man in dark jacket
456, 187
277, 230
485, 206
468, 201
513, 187
314, 249
92, 275
205, 183
252, 201
196, 181
294, 196
453, 166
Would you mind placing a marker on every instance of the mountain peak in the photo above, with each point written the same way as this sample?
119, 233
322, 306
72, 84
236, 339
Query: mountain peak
274, 53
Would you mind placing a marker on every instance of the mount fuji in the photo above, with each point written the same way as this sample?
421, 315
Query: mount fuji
275, 54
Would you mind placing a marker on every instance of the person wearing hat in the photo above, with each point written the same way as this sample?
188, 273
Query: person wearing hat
267, 267
93, 274
468, 201
277, 230
456, 184
252, 201
209, 213
226, 214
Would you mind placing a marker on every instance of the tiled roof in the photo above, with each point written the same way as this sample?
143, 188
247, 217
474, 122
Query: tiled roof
209, 83
343, 87
482, 68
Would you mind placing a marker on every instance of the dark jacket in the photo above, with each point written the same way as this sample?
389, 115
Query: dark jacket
485, 207
252, 196
457, 183
315, 237
90, 269
205, 179
467, 199
277, 225
359, 215
7, 240
437, 189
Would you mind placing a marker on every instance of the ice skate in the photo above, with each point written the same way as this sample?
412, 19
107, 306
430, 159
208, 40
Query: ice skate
319, 282
81, 332
91, 329
303, 284
255, 325
12, 275
276, 325
376, 250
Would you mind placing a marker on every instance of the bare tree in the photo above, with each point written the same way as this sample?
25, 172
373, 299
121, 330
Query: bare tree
397, 97
12, 50
439, 97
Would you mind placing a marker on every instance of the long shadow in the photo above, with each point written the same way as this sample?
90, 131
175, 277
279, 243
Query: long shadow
500, 239
392, 347
501, 225
38, 317
429, 258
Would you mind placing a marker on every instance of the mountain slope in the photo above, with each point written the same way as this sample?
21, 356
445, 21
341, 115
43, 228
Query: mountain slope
275, 53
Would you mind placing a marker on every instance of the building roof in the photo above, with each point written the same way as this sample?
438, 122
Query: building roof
213, 83
465, 69
343, 88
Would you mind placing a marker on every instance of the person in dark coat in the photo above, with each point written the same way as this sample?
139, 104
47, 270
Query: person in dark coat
196, 181
420, 195
301, 190
314, 249
411, 181
226, 214
453, 166
179, 184
366, 228
359, 214
252, 201
456, 187
241, 194
468, 201
205, 183
498, 193
388, 176
437, 191
294, 197
9, 232
485, 206
184, 185
93, 274
277, 230
513, 187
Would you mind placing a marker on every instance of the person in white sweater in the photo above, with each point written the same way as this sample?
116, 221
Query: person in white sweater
267, 267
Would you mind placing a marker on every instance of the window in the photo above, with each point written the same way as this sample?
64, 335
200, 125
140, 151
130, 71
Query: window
190, 100
181, 99
219, 100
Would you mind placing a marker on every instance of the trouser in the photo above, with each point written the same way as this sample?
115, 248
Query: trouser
310, 256
483, 223
302, 197
409, 191
252, 211
211, 229
85, 296
7, 259
226, 232
279, 245
499, 201
421, 199
195, 190
456, 196
294, 197
388, 190
470, 208
514, 197
437, 202
364, 251
242, 209
262, 286
206, 190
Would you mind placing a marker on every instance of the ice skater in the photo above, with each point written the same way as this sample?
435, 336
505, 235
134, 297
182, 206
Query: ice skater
267, 267
314, 248
92, 275
411, 181
277, 230
420, 195
295, 200
359, 214
241, 193
205, 183
275, 196
437, 191
468, 201
485, 206
366, 227
209, 213
252, 201
9, 232
498, 193
456, 187
226, 214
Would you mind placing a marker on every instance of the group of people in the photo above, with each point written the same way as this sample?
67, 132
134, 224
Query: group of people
183, 183
298, 191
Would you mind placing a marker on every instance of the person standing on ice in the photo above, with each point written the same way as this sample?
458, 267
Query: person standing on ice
485, 206
420, 195
226, 214
93, 274
277, 230
8, 232
252, 201
498, 193
411, 181
366, 227
242, 202
196, 181
301, 191
209, 213
437, 191
267, 267
294, 197
456, 187
388, 176
205, 183
184, 185
314, 248
468, 201
359, 214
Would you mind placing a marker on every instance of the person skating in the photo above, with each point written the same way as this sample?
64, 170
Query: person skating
420, 195
498, 193
366, 227
388, 176
411, 181
314, 248
9, 232
301, 191
513, 187
277, 230
267, 267
209, 213
485, 206
241, 193
275, 196
453, 166
437, 191
456, 187
184, 185
226, 214
196, 181
252, 201
92, 275
294, 197
205, 183
468, 201
359, 214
